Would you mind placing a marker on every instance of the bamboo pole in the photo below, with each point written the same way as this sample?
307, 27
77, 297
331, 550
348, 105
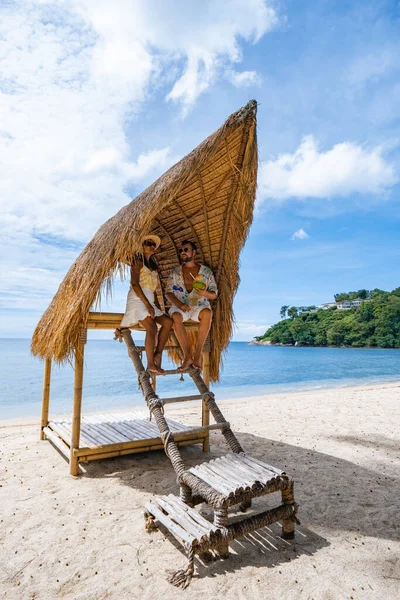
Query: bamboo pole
205, 412
45, 398
76, 410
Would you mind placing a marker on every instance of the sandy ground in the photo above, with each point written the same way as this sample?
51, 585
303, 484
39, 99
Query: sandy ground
83, 538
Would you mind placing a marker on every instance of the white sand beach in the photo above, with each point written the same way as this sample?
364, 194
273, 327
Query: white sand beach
83, 538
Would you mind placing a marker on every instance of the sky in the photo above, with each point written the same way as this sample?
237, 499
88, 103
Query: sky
99, 98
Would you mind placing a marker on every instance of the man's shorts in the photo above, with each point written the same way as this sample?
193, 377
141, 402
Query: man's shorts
192, 314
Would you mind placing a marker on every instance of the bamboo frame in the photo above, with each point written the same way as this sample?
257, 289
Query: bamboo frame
77, 454
205, 411
76, 409
46, 397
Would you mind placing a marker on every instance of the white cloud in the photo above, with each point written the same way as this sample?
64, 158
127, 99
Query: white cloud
243, 78
74, 72
300, 234
372, 66
71, 74
343, 170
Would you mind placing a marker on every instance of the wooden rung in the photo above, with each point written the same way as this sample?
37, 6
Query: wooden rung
182, 399
207, 427
223, 425
169, 372
169, 347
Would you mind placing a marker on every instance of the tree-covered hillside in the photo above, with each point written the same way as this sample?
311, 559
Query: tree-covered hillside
376, 322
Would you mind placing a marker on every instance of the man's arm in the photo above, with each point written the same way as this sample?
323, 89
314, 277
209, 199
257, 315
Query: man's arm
211, 290
207, 294
181, 305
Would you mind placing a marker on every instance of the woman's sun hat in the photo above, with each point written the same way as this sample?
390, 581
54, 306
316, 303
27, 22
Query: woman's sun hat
153, 238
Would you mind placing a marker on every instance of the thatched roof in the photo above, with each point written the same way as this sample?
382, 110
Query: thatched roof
208, 197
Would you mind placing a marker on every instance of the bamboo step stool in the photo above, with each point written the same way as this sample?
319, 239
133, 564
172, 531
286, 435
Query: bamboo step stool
233, 479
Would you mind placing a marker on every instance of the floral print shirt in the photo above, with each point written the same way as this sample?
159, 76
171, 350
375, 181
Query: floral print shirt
176, 286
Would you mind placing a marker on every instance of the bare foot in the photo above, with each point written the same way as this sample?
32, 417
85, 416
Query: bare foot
196, 363
155, 369
185, 365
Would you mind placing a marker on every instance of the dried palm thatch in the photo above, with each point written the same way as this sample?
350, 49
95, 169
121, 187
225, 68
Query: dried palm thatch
207, 197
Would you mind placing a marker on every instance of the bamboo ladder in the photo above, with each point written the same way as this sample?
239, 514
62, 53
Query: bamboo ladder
233, 479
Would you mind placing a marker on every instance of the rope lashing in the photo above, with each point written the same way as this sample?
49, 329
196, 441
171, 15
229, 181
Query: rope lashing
208, 397
166, 437
154, 402
183, 577
293, 516
141, 377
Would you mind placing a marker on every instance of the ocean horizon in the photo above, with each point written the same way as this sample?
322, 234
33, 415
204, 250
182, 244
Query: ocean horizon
110, 381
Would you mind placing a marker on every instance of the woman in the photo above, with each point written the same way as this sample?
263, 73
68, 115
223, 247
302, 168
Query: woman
141, 303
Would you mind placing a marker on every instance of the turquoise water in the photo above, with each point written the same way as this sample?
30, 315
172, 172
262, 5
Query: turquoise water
110, 382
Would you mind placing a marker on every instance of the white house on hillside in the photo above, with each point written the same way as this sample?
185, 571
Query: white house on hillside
343, 305
349, 303
327, 305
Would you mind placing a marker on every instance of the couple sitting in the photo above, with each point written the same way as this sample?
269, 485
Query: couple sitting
190, 288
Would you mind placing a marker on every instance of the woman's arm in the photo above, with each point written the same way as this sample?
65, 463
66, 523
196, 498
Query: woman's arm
135, 276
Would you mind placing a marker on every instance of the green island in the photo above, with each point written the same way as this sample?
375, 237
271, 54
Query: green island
366, 318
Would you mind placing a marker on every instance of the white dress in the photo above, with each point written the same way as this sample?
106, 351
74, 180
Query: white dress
136, 310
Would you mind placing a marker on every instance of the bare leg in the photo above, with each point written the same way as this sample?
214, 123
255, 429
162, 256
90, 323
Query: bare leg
205, 318
183, 340
163, 334
149, 343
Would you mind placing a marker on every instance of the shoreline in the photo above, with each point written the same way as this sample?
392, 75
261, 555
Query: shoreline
269, 344
33, 421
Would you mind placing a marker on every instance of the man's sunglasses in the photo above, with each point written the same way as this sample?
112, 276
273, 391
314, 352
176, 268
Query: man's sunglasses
184, 250
149, 243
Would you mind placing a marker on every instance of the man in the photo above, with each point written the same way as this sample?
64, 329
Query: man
190, 302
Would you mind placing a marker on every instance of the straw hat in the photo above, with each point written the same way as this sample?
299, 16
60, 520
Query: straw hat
153, 238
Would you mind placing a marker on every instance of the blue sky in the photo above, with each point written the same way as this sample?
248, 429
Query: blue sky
97, 99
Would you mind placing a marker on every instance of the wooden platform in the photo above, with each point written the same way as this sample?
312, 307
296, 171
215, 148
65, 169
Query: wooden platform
103, 436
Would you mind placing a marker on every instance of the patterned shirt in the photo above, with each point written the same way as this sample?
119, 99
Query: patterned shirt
176, 286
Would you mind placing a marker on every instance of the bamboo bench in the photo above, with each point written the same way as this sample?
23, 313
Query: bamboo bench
238, 479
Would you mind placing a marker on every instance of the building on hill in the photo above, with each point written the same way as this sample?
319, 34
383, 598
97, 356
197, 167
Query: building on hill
346, 304
327, 305
343, 305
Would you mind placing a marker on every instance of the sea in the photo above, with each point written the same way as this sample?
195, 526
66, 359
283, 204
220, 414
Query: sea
110, 381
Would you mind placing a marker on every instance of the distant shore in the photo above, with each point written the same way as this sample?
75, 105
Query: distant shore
298, 345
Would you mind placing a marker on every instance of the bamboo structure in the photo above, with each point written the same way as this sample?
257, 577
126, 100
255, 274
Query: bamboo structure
46, 397
77, 405
97, 437
207, 197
